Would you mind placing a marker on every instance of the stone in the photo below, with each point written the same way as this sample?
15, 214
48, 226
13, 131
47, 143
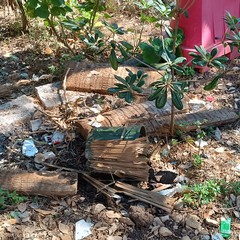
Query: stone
205, 237
165, 218
52, 96
186, 238
16, 112
238, 201
193, 221
140, 216
178, 205
165, 232
211, 222
217, 236
157, 222
98, 208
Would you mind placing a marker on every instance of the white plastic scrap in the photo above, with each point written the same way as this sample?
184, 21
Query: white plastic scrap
57, 137
171, 191
28, 148
82, 229
200, 143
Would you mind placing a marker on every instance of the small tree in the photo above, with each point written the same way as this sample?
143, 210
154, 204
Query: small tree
164, 53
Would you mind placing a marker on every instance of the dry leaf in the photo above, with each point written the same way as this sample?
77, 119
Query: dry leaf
112, 214
63, 228
48, 51
45, 212
102, 229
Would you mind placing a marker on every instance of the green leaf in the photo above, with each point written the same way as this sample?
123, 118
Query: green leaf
200, 63
217, 64
149, 54
114, 90
201, 50
120, 79
161, 100
214, 52
68, 9
179, 60
113, 60
177, 99
56, 11
222, 59
178, 69
123, 52
127, 45
155, 94
126, 95
42, 11
137, 89
71, 25
57, 3
32, 4
213, 83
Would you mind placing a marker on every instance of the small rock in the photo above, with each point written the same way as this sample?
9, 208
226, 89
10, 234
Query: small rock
203, 232
233, 198
193, 222
217, 236
98, 208
238, 201
165, 218
177, 218
140, 216
179, 205
201, 143
165, 232
205, 237
211, 222
220, 150
217, 134
157, 222
237, 214
24, 76
186, 238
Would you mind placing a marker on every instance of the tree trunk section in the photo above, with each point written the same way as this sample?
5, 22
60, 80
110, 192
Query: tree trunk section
39, 183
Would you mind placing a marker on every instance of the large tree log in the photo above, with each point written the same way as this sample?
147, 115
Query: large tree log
39, 183
98, 78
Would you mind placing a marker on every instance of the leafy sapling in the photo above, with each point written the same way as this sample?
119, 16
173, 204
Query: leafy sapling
130, 86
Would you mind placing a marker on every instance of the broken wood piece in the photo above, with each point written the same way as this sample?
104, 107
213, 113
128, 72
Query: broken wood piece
131, 115
99, 78
39, 183
121, 151
152, 198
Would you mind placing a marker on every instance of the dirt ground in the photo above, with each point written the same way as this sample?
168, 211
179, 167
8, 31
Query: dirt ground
25, 57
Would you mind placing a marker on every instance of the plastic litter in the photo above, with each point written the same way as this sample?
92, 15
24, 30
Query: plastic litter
35, 124
82, 229
29, 149
200, 143
225, 227
171, 191
57, 137
196, 105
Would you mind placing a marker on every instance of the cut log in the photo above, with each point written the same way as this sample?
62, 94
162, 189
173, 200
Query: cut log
99, 78
39, 183
156, 122
130, 115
